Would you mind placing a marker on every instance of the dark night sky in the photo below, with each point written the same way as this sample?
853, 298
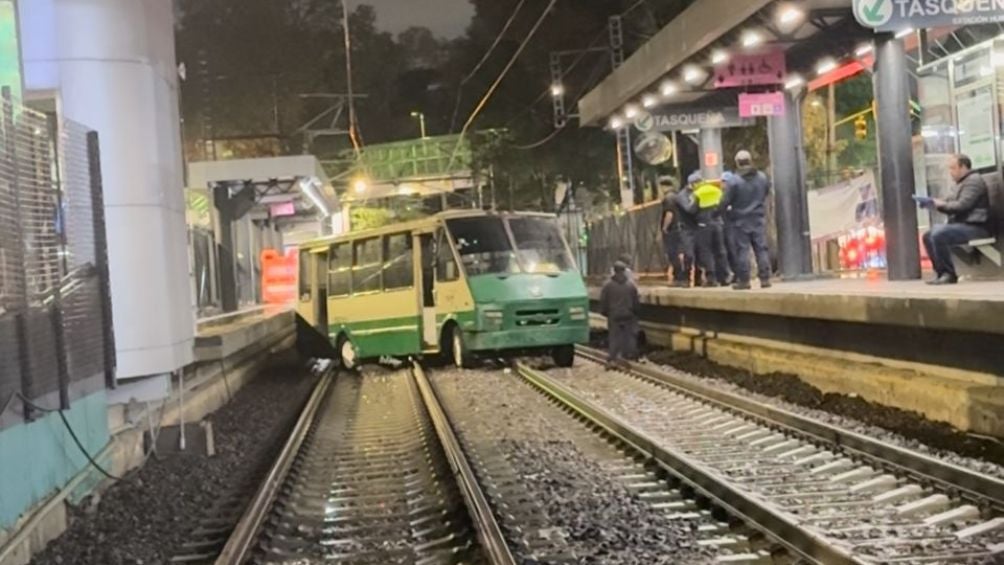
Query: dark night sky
446, 18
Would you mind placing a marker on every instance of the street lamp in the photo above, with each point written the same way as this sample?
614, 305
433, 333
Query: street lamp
421, 122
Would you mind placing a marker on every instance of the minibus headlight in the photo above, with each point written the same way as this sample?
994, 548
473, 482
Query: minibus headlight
492, 319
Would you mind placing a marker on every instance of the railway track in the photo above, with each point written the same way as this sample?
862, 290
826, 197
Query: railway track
565, 493
395, 467
363, 479
596, 466
829, 495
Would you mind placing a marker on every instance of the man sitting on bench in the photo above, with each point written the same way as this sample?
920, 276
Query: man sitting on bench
968, 208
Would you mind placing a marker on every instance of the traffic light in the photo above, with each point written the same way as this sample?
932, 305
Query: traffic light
861, 128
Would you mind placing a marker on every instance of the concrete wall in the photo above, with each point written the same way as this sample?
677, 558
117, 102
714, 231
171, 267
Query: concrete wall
110, 65
40, 457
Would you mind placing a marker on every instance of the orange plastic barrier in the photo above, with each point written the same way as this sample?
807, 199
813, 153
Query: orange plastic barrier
278, 276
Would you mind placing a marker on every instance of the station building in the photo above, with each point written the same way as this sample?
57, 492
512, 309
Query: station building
934, 91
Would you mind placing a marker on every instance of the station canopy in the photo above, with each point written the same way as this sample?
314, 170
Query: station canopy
822, 42
294, 187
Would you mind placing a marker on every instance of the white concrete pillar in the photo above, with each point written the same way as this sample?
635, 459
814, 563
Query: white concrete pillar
112, 67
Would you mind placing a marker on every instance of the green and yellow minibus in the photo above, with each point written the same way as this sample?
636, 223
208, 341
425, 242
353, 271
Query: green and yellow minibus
459, 284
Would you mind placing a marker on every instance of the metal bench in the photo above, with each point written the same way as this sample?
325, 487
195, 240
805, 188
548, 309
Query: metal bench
986, 247
970, 258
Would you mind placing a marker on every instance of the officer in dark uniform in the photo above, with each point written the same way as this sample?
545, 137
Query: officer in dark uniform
671, 232
745, 203
686, 207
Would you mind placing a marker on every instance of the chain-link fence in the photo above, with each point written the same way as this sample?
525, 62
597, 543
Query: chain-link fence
55, 312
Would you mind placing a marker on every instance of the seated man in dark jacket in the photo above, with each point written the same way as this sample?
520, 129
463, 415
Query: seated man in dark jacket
968, 208
619, 303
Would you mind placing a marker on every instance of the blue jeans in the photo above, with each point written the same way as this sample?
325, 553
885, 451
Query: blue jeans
746, 238
939, 242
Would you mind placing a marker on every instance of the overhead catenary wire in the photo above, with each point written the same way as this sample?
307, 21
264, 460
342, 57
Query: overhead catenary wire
505, 71
565, 72
484, 59
541, 142
551, 136
508, 67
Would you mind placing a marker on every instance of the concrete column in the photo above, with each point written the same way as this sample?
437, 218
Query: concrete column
899, 212
787, 157
712, 165
110, 64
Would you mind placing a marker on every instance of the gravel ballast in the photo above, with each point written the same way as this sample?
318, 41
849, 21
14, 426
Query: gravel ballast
144, 518
901, 427
562, 477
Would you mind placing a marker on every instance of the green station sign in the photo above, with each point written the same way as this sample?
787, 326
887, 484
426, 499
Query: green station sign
897, 15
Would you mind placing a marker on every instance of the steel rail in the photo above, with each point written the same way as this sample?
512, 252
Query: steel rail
778, 526
982, 490
492, 540
239, 545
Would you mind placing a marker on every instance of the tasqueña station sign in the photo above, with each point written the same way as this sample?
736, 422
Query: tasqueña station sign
898, 15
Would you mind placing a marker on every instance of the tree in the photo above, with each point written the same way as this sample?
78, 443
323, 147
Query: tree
818, 151
249, 61
855, 95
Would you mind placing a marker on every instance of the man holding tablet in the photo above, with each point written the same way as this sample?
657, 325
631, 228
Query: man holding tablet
968, 208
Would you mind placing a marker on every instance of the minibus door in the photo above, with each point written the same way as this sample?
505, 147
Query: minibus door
430, 339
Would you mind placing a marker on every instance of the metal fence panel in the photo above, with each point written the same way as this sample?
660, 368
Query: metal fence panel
634, 234
82, 299
55, 323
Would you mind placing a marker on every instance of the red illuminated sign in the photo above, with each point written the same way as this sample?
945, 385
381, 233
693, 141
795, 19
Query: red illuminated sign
278, 276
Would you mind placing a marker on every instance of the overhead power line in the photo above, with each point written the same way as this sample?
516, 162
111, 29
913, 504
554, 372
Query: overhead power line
575, 63
508, 67
501, 77
484, 59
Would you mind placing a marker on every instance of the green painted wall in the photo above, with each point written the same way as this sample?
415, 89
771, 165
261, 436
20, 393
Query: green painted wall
39, 458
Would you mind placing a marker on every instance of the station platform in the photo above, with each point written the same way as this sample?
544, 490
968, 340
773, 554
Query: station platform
935, 350
221, 336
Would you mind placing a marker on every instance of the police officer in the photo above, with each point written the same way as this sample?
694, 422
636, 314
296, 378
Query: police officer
671, 233
705, 205
686, 207
745, 203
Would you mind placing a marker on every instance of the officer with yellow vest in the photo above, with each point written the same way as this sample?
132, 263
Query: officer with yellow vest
705, 205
